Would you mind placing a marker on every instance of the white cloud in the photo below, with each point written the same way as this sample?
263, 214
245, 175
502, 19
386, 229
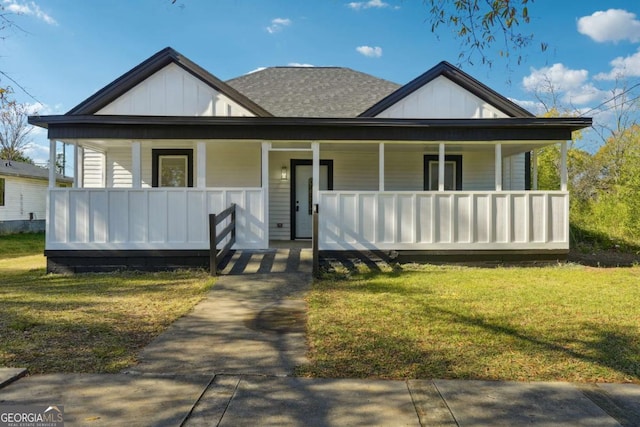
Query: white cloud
557, 77
534, 107
28, 8
628, 66
278, 24
357, 5
583, 95
612, 25
38, 152
298, 64
571, 86
371, 52
256, 70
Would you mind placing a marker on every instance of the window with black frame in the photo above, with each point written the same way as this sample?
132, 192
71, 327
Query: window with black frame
452, 172
172, 168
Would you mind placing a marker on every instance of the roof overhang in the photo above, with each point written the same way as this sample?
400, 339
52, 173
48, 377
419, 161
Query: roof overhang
297, 129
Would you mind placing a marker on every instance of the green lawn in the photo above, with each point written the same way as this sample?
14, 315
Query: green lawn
86, 322
569, 323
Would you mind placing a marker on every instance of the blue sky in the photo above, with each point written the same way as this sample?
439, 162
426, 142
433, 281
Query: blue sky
69, 49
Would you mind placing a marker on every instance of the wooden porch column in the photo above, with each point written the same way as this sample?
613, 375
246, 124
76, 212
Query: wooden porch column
315, 148
52, 163
264, 162
441, 167
136, 165
564, 173
498, 162
381, 166
78, 166
201, 154
534, 172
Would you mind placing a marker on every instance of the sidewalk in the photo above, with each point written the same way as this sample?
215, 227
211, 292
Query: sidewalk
229, 363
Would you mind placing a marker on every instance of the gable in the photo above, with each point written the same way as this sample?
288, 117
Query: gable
442, 99
168, 83
445, 91
172, 91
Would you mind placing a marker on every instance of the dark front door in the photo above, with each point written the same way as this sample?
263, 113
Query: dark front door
302, 195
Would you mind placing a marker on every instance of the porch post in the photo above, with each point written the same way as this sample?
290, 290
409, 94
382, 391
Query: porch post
78, 166
498, 162
136, 166
381, 166
52, 163
564, 173
315, 147
265, 146
201, 152
441, 167
534, 172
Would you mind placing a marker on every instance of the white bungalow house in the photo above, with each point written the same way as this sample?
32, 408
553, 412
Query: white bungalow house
23, 195
441, 165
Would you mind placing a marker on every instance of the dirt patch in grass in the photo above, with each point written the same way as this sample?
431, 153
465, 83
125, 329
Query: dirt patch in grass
604, 257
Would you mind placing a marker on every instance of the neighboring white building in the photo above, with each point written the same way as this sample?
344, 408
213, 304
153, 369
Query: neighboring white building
23, 196
441, 165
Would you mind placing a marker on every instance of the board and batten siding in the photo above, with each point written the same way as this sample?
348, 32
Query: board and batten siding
172, 91
441, 99
22, 197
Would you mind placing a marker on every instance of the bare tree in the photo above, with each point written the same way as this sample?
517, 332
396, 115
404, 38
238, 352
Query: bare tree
15, 131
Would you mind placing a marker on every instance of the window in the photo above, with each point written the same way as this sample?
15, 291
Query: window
172, 168
452, 172
1, 191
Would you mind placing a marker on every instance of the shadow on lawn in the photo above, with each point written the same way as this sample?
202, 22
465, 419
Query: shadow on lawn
584, 351
85, 322
615, 348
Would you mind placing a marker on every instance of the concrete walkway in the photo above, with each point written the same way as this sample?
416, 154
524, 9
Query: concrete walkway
229, 363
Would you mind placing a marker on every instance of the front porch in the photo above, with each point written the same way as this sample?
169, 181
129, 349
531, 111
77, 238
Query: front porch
376, 201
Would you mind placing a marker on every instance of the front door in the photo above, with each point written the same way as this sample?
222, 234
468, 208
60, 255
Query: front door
303, 196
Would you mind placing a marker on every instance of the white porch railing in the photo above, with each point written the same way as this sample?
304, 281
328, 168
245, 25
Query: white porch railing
452, 220
151, 219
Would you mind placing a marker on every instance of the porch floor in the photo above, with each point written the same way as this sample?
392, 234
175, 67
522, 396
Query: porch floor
297, 257
286, 259
290, 244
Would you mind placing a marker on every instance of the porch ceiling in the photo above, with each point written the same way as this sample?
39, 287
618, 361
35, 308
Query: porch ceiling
509, 148
311, 129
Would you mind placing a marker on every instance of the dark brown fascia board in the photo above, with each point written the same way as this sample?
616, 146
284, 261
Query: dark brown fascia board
152, 65
339, 129
457, 76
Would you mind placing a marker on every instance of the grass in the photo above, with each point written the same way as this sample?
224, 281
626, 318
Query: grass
567, 323
19, 245
83, 323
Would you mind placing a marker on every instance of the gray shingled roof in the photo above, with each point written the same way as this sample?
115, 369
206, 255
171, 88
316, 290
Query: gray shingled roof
26, 170
312, 91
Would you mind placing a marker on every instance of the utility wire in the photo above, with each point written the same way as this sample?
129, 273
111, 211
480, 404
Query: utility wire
612, 98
